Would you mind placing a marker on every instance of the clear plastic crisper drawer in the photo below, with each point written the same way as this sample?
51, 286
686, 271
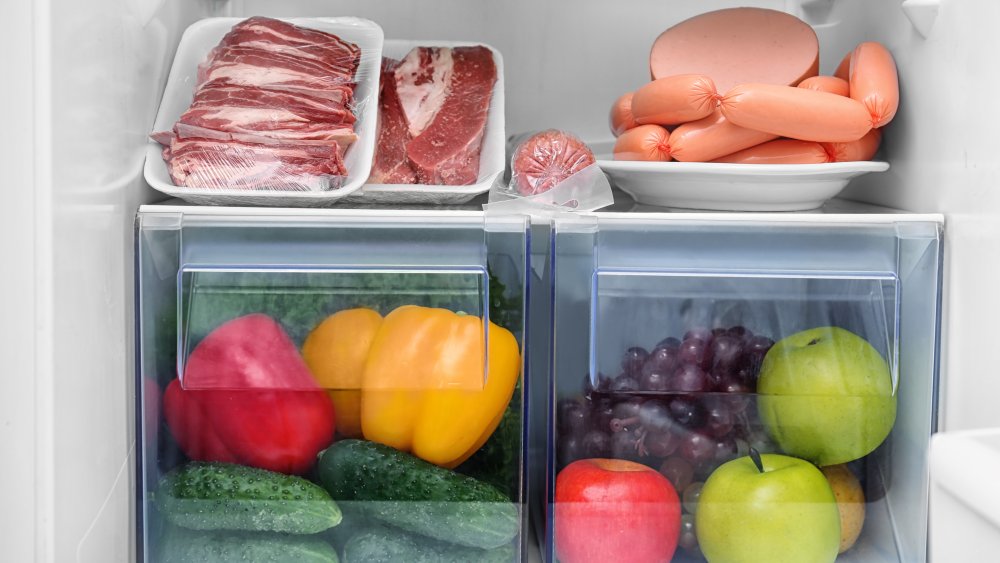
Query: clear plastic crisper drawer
732, 386
330, 383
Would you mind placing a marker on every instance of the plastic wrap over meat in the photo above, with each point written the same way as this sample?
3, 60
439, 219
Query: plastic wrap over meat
273, 109
552, 170
433, 109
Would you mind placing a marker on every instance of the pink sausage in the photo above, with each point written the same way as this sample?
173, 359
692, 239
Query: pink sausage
674, 99
843, 71
712, 137
798, 113
830, 84
874, 82
862, 149
781, 151
621, 118
645, 142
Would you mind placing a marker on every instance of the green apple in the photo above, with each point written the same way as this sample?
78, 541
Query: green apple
780, 510
826, 395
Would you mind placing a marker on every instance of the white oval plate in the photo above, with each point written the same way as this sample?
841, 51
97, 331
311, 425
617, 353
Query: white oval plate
735, 187
200, 38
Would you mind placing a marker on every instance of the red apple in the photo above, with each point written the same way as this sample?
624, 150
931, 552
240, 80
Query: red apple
615, 510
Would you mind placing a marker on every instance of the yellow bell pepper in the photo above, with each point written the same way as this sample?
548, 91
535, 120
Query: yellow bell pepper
336, 352
424, 389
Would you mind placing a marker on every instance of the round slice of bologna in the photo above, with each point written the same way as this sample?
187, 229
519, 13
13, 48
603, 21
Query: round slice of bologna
736, 46
543, 160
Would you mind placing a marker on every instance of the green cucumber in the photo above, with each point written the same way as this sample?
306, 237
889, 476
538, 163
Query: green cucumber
225, 496
409, 493
188, 546
383, 545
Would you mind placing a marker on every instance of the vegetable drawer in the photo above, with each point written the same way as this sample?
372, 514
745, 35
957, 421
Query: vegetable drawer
327, 384
742, 387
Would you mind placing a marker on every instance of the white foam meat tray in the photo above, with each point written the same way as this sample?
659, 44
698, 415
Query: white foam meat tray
492, 160
196, 42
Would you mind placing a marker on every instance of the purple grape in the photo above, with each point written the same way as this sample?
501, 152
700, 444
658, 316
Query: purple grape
595, 444
737, 396
726, 449
633, 359
694, 352
740, 332
726, 352
716, 379
663, 360
691, 495
625, 445
627, 409
654, 416
601, 414
626, 415
670, 343
572, 416
690, 379
718, 420
697, 448
688, 539
678, 471
759, 344
700, 333
687, 412
717, 332
661, 444
569, 449
624, 383
655, 381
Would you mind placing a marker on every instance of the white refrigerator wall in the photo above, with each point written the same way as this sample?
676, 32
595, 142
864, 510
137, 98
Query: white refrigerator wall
96, 71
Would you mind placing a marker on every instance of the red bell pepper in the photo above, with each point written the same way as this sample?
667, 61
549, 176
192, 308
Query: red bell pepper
249, 398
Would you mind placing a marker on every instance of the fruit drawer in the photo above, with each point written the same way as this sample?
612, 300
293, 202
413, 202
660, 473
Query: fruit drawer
734, 390
329, 387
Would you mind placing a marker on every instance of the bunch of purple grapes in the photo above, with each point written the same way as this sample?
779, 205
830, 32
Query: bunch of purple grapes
683, 408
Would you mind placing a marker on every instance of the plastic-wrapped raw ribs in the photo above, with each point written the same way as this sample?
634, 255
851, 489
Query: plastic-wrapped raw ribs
272, 111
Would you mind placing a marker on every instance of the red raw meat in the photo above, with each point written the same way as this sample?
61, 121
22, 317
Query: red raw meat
271, 111
209, 163
422, 80
256, 115
547, 158
304, 106
447, 152
276, 35
390, 165
246, 66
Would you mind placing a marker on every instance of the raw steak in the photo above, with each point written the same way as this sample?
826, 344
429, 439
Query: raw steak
265, 116
246, 66
207, 163
422, 80
447, 151
390, 165
281, 37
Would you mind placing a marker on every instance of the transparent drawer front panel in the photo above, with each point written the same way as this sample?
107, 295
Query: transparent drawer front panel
320, 409
732, 413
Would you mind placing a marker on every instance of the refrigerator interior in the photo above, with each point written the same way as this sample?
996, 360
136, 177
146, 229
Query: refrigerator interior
88, 81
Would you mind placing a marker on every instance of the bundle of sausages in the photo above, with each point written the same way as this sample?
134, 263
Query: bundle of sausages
808, 119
